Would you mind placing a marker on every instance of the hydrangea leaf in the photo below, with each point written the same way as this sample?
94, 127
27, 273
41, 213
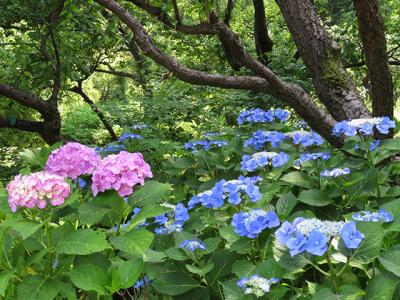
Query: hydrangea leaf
83, 242
390, 259
315, 198
37, 288
174, 283
382, 287
135, 242
150, 193
89, 277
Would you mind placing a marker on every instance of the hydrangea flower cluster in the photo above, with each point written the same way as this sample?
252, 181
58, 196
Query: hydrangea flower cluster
364, 126
304, 138
252, 223
204, 144
380, 216
258, 115
110, 148
139, 126
313, 235
172, 222
142, 282
72, 160
312, 156
251, 163
128, 136
260, 137
192, 245
335, 172
232, 189
256, 285
36, 190
120, 172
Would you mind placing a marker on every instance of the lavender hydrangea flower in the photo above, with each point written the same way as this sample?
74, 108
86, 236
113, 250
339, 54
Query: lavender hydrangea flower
120, 172
72, 160
262, 159
252, 223
192, 245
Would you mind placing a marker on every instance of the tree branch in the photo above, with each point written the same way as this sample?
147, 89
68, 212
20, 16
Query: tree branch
23, 98
25, 125
372, 34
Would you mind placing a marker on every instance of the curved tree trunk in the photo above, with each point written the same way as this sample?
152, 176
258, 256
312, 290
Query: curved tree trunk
263, 41
372, 34
321, 54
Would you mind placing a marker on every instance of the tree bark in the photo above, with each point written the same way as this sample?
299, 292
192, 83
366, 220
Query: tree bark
79, 90
372, 34
268, 82
263, 42
321, 54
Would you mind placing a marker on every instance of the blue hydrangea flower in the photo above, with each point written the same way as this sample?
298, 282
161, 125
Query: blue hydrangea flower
173, 221
374, 144
128, 136
233, 190
258, 115
110, 148
142, 282
317, 243
252, 223
162, 219
204, 145
364, 126
169, 228
181, 213
367, 216
284, 233
251, 163
305, 138
82, 183
296, 244
312, 156
192, 245
351, 237
256, 285
335, 172
260, 137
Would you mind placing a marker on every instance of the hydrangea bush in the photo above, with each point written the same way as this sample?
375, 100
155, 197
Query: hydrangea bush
265, 209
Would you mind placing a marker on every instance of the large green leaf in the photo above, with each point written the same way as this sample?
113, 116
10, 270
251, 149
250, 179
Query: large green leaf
89, 277
4, 280
37, 288
285, 204
298, 179
372, 243
174, 283
125, 273
150, 193
90, 213
315, 198
282, 256
243, 268
382, 287
83, 242
24, 227
390, 259
136, 242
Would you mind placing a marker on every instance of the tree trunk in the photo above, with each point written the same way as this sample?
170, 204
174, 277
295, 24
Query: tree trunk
321, 54
372, 34
263, 41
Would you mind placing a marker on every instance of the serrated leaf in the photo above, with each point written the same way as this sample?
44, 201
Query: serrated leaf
125, 273
286, 203
24, 227
37, 288
147, 212
90, 213
174, 283
298, 179
150, 193
315, 198
83, 242
136, 242
390, 259
89, 277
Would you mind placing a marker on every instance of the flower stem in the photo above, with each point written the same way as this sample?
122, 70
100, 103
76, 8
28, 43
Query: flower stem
332, 272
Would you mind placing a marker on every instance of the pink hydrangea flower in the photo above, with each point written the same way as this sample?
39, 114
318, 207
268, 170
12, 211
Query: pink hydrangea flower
72, 160
36, 189
120, 172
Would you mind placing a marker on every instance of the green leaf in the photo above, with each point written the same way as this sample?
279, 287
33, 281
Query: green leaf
89, 277
83, 242
298, 179
243, 268
147, 212
4, 280
372, 243
200, 271
24, 227
382, 287
37, 288
125, 273
315, 198
90, 213
282, 256
135, 242
150, 193
176, 254
286, 203
270, 268
223, 261
390, 259
174, 283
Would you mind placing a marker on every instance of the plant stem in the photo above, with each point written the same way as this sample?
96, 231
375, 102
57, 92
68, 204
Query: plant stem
332, 272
